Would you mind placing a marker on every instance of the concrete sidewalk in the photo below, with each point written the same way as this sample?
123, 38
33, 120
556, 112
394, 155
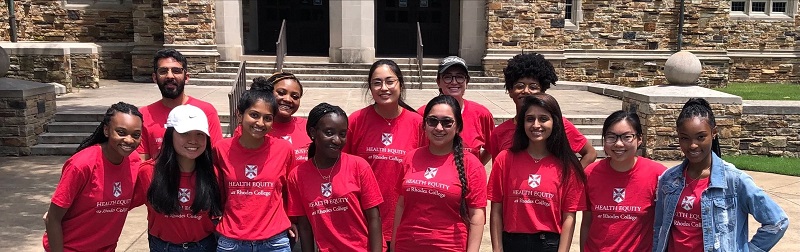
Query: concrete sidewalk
26, 184
350, 99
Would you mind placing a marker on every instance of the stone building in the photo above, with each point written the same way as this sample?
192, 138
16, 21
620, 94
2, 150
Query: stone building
622, 42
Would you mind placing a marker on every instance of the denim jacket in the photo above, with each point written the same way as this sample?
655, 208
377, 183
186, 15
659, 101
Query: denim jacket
731, 195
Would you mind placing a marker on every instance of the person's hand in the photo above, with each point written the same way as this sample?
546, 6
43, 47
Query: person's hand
293, 232
44, 218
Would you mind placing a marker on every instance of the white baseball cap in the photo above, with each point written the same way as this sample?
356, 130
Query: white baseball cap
185, 118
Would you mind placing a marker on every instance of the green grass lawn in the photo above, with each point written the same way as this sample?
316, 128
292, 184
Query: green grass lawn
777, 165
763, 91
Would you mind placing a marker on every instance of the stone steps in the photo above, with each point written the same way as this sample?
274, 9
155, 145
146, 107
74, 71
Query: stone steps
344, 84
327, 65
337, 71
344, 77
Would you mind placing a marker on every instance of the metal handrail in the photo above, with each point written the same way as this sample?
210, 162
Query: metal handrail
280, 48
419, 55
237, 89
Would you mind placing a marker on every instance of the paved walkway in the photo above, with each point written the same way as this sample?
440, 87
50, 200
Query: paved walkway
350, 99
26, 184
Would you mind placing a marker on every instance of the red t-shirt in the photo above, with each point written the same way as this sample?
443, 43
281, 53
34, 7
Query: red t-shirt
431, 191
175, 228
502, 137
622, 205
252, 183
97, 195
687, 224
531, 192
478, 126
295, 133
384, 143
155, 116
335, 208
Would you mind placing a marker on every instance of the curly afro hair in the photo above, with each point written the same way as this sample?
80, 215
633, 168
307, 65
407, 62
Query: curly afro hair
531, 65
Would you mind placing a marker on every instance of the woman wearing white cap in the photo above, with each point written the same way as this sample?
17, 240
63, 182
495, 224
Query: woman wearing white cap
180, 187
452, 80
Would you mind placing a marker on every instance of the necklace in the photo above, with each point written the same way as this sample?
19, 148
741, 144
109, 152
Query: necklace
692, 180
326, 178
388, 121
535, 159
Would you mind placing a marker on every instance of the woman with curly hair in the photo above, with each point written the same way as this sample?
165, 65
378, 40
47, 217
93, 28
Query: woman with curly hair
525, 75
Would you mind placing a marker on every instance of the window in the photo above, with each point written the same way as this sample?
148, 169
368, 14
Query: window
568, 10
763, 7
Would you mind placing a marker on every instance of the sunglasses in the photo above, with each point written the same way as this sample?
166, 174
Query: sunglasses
446, 122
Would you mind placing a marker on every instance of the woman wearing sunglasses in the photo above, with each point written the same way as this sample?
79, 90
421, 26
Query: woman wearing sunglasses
442, 203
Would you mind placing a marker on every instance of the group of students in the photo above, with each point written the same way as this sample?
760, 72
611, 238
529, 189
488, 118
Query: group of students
389, 177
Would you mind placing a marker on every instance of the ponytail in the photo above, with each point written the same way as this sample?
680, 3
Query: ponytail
458, 153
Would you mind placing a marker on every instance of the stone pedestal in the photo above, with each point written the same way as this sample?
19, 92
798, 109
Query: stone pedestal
658, 108
352, 32
25, 107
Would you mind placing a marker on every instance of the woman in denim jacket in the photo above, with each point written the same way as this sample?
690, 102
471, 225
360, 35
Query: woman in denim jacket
702, 204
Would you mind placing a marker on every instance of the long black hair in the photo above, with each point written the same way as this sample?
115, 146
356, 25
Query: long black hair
99, 136
699, 107
458, 147
401, 81
163, 191
557, 144
315, 115
261, 89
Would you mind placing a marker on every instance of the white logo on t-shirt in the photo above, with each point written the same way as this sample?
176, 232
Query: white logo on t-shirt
534, 180
184, 194
386, 138
431, 172
619, 194
117, 189
287, 138
688, 202
327, 189
250, 171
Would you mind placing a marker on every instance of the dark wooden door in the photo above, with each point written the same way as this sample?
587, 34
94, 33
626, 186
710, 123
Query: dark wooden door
307, 26
396, 27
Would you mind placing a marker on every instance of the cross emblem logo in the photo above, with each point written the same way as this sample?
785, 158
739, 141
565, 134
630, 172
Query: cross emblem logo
619, 195
287, 138
431, 172
184, 194
117, 189
688, 202
250, 171
534, 180
386, 138
327, 189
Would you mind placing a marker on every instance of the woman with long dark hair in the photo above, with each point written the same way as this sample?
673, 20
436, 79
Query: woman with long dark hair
536, 186
442, 204
180, 187
334, 197
92, 199
252, 168
383, 132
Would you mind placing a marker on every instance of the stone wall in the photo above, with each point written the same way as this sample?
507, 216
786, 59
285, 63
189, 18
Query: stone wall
53, 21
761, 69
23, 116
41, 68
771, 130
638, 25
764, 34
659, 107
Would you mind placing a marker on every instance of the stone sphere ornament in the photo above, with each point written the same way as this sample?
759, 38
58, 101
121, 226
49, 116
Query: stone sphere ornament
5, 62
682, 68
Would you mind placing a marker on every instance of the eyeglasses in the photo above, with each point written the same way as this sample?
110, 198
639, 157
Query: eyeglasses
446, 122
390, 82
521, 86
457, 78
611, 138
166, 70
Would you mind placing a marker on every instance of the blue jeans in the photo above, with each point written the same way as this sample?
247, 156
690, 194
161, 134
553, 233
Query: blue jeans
277, 243
205, 245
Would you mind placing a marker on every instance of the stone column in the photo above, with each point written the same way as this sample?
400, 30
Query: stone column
25, 108
473, 31
189, 28
148, 37
229, 29
658, 108
352, 28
